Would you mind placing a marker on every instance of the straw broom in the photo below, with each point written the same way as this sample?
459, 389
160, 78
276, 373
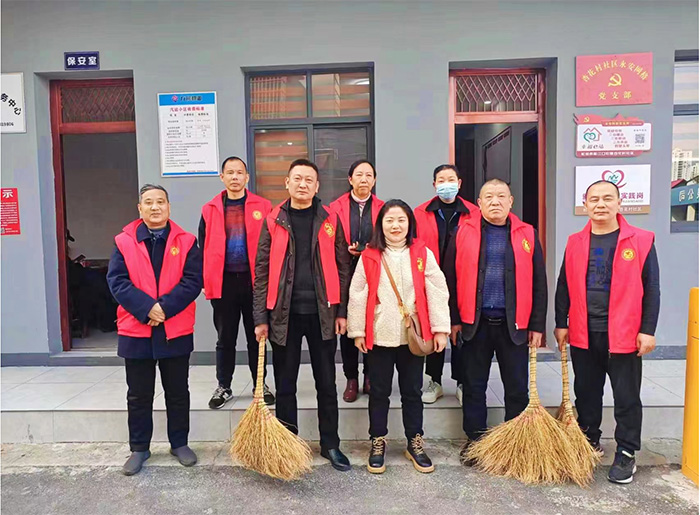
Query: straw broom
584, 456
531, 448
263, 444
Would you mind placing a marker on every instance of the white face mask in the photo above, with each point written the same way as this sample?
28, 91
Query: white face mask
447, 190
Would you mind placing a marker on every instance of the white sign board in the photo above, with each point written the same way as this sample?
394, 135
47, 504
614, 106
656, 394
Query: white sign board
634, 182
597, 136
12, 101
188, 134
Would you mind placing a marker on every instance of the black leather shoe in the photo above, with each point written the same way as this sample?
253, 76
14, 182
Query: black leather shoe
417, 455
135, 462
375, 464
338, 460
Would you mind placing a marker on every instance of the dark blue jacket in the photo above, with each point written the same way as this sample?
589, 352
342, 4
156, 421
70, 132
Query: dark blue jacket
139, 303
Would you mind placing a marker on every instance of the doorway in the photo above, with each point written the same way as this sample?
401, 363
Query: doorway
96, 187
497, 130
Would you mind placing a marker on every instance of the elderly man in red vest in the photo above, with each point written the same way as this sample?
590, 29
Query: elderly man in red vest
302, 276
228, 235
607, 307
357, 210
498, 301
436, 222
155, 274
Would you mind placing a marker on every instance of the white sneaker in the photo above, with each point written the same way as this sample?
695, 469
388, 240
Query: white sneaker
432, 393
459, 393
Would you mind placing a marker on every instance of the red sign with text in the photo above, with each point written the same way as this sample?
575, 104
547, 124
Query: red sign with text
9, 211
615, 79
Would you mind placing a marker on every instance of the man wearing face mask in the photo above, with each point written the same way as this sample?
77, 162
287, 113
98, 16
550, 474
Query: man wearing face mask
436, 222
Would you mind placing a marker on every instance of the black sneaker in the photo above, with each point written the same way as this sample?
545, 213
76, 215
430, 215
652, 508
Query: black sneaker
623, 468
268, 396
416, 453
220, 397
375, 464
463, 452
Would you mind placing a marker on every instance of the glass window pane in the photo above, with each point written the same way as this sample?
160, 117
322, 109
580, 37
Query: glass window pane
335, 150
340, 94
275, 97
684, 169
685, 83
274, 151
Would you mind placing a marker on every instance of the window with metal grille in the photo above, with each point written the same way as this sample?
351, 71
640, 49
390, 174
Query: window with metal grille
325, 114
507, 92
103, 103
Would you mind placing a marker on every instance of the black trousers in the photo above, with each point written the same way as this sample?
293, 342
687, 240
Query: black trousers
625, 371
286, 360
381, 375
476, 356
351, 358
236, 301
141, 380
435, 362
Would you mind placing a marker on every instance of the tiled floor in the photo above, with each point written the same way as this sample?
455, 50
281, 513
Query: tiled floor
104, 388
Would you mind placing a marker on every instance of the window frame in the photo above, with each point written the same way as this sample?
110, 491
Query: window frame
309, 122
684, 110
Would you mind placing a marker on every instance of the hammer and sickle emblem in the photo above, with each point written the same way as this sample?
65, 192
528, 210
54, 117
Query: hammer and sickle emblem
615, 80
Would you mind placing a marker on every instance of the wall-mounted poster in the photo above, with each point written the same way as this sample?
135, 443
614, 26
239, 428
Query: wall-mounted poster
634, 182
9, 212
188, 134
12, 101
616, 79
597, 136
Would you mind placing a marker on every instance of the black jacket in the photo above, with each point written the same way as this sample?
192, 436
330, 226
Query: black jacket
139, 303
278, 318
538, 316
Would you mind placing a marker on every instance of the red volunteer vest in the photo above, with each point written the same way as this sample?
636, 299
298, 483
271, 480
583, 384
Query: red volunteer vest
522, 238
256, 209
426, 225
372, 263
278, 250
626, 288
341, 205
138, 263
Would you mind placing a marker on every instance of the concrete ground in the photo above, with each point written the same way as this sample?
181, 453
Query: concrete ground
86, 479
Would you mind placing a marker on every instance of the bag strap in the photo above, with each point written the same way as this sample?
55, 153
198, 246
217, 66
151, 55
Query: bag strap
393, 285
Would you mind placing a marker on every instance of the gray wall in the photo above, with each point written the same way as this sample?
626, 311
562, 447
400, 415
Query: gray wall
101, 190
173, 46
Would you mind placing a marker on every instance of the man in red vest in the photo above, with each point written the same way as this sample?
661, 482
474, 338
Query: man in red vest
498, 301
436, 222
357, 210
155, 274
302, 276
228, 235
607, 307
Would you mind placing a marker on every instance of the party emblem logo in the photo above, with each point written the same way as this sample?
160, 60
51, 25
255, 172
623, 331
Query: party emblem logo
419, 264
174, 251
628, 254
257, 215
526, 246
330, 231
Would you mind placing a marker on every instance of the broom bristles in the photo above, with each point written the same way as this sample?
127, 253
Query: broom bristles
583, 455
263, 444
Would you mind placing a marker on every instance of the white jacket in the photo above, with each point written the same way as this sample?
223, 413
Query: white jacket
389, 327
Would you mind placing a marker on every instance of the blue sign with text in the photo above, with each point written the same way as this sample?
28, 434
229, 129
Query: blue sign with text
684, 195
81, 60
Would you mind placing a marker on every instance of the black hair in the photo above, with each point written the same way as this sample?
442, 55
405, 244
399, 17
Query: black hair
233, 158
303, 162
445, 167
358, 163
378, 241
149, 187
601, 181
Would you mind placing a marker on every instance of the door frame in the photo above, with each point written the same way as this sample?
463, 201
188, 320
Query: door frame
537, 116
58, 129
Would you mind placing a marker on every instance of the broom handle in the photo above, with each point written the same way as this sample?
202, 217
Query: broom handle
534, 396
261, 370
565, 377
